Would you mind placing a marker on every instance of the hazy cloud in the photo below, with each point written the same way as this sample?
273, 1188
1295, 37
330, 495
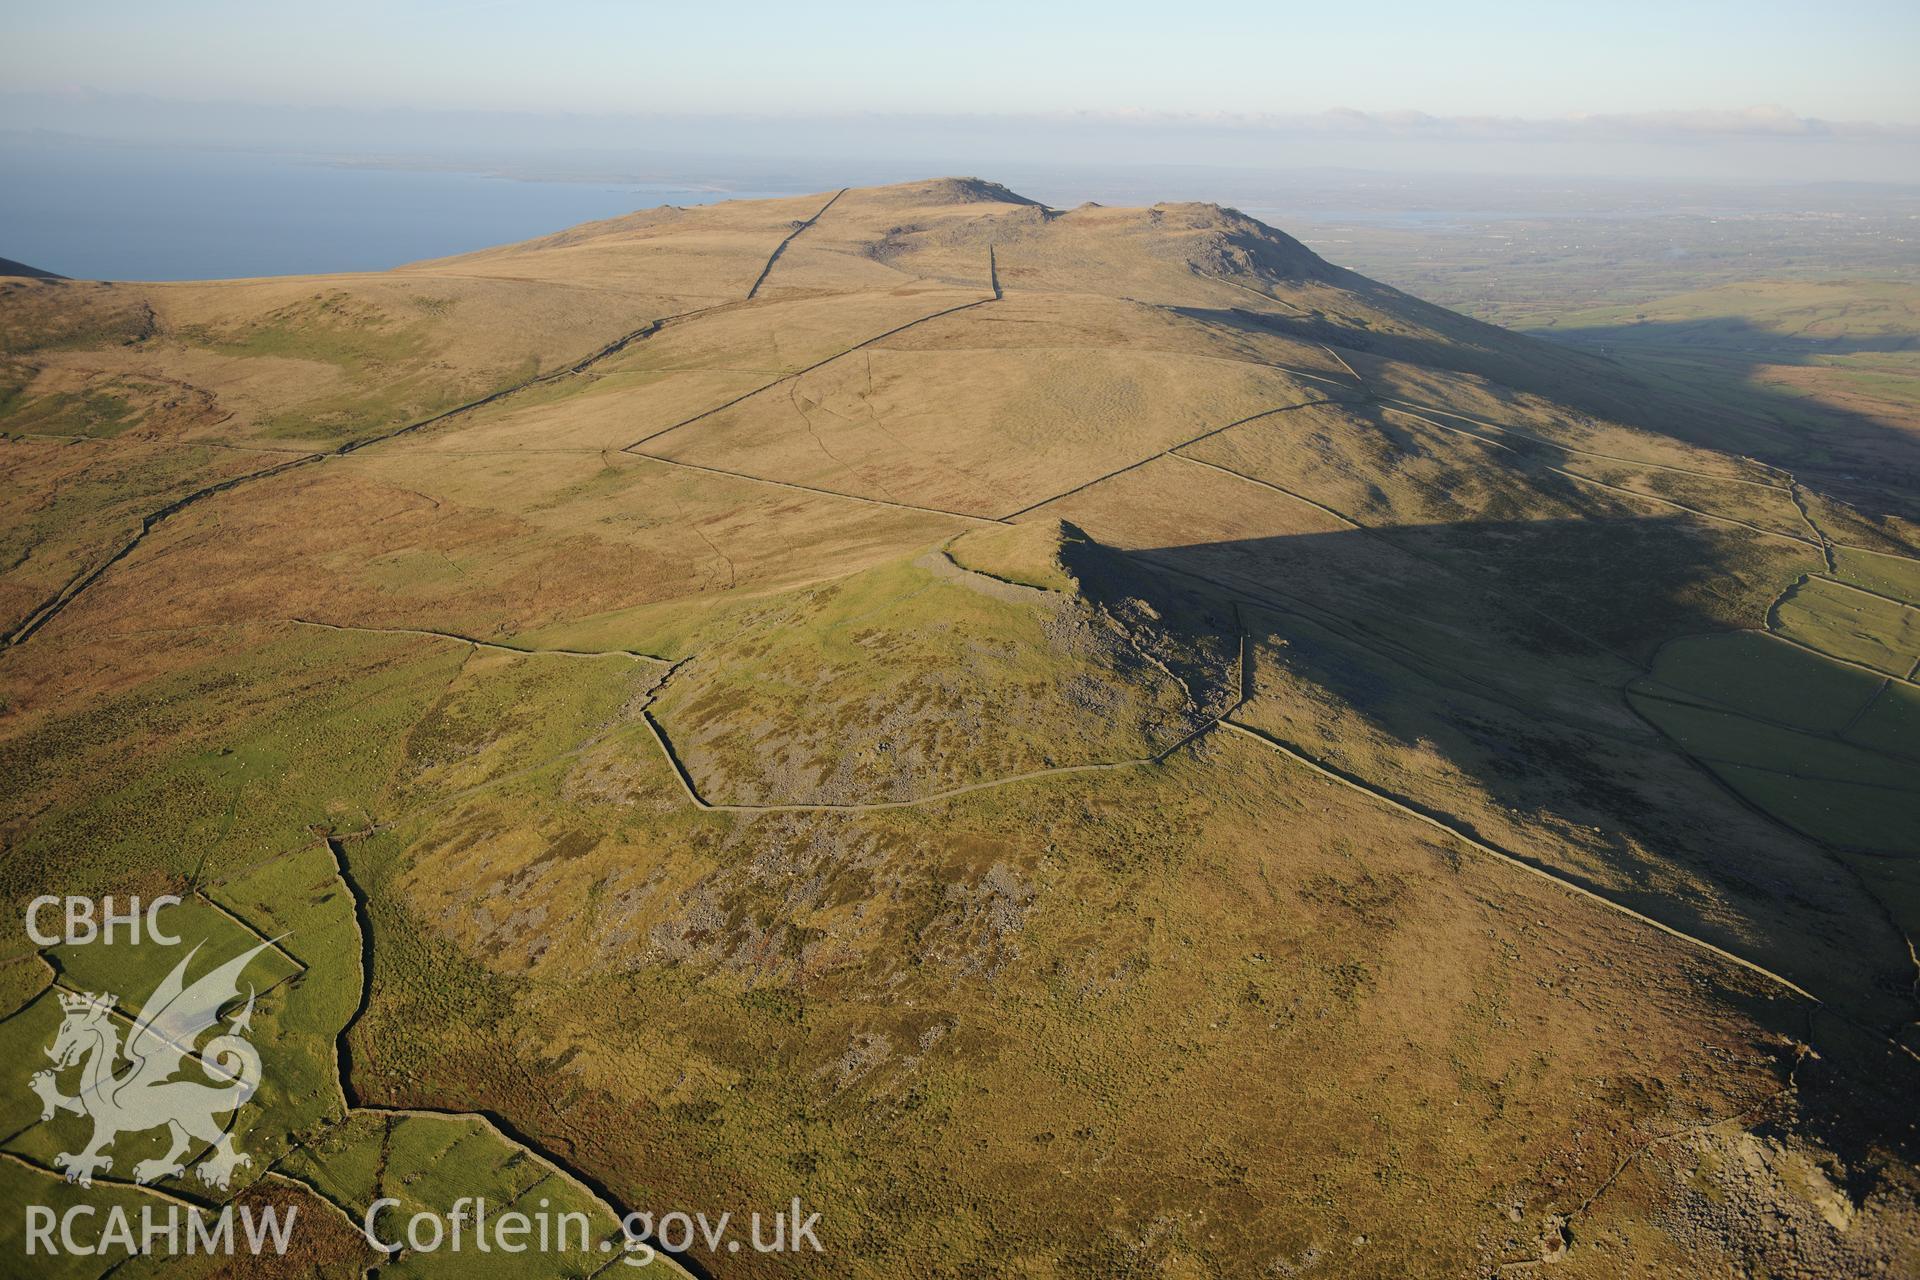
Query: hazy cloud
1752, 122
1762, 142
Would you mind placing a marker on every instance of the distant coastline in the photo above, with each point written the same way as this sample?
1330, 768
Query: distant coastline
102, 212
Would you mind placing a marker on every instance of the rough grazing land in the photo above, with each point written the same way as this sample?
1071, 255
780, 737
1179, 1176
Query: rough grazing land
1079, 743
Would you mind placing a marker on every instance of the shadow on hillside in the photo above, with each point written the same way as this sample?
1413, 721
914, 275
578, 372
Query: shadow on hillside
1605, 589
1709, 368
1509, 669
1692, 381
1723, 334
1379, 676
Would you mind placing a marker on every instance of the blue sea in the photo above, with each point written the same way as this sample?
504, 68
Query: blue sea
110, 213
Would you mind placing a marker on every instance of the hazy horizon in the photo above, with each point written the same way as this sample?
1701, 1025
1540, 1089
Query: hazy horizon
96, 210
1639, 89
1749, 144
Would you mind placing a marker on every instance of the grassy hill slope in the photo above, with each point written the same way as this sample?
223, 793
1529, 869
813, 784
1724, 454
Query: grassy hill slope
1078, 742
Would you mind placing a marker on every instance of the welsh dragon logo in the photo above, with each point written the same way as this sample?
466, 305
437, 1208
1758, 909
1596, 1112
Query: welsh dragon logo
143, 1094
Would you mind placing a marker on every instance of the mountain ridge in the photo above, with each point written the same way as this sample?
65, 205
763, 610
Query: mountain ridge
1027, 707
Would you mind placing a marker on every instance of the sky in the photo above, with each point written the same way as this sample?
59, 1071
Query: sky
1762, 84
1835, 61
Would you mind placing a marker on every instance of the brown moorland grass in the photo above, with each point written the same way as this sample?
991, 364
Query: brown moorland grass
1456, 956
